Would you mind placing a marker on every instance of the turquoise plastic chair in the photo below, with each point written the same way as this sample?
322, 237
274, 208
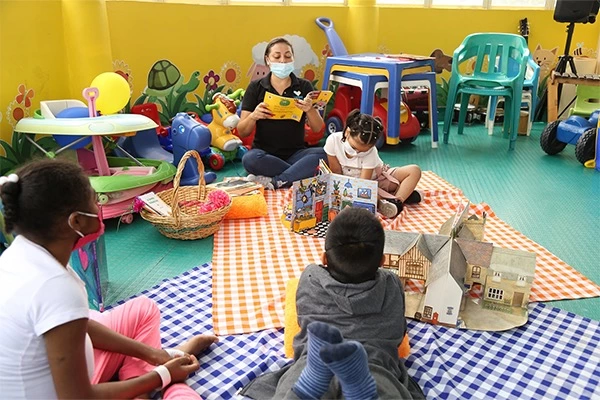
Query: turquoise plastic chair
491, 77
530, 84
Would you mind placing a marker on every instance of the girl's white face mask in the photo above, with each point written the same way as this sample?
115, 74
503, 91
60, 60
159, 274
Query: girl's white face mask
351, 152
349, 149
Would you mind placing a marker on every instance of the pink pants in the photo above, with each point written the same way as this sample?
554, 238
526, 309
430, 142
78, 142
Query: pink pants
138, 319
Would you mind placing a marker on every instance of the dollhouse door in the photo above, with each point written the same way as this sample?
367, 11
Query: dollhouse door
319, 211
517, 299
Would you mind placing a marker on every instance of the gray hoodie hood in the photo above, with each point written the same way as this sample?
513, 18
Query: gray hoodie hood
353, 298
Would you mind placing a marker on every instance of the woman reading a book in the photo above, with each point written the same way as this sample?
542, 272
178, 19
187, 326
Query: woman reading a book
51, 344
279, 156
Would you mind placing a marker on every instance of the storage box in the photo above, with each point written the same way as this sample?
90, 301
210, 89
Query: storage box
523, 123
90, 264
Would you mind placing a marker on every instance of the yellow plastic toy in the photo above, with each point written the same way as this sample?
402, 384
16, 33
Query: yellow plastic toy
594, 163
225, 120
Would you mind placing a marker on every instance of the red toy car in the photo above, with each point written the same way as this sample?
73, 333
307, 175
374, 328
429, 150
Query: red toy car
347, 98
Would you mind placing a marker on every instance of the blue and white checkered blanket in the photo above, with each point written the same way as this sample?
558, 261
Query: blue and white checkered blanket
556, 355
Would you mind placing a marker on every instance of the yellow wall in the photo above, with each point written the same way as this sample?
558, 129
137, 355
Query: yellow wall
413, 30
203, 38
32, 53
33, 49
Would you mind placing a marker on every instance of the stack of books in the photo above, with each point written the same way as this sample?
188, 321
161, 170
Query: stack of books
155, 204
237, 186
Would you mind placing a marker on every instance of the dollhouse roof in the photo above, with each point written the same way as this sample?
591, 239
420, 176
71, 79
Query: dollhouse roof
513, 263
448, 261
432, 244
475, 252
458, 264
401, 242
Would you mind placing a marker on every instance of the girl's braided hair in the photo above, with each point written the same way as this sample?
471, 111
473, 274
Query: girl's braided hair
364, 127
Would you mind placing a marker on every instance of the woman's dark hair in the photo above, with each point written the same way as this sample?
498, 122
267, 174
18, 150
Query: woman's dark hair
354, 245
272, 43
364, 127
47, 192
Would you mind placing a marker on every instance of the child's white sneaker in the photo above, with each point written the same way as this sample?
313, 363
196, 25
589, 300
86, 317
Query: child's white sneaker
265, 181
387, 209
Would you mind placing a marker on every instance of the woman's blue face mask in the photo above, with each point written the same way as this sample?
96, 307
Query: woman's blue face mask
282, 70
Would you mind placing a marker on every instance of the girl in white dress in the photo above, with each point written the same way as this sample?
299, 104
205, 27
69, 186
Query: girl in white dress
352, 152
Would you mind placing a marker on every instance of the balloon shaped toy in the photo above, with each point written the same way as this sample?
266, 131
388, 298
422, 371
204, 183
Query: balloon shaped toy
114, 92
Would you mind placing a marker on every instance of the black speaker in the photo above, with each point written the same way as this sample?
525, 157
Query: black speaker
579, 11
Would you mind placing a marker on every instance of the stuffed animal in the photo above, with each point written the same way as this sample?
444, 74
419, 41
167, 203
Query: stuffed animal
442, 61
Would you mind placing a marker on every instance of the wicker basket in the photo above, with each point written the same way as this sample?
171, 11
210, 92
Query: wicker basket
185, 222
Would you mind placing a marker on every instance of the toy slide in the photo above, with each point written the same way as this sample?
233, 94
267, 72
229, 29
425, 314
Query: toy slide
335, 42
144, 144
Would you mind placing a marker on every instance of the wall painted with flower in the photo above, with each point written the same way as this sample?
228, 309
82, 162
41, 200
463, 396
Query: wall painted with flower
219, 46
223, 46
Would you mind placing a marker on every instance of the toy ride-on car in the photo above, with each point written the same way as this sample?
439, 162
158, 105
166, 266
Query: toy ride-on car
574, 130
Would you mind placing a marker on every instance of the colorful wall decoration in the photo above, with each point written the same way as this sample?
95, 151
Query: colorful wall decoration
42, 49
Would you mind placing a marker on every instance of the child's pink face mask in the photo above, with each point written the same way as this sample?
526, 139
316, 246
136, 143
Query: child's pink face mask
85, 239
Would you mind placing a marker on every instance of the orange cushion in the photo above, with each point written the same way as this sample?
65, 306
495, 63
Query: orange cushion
247, 206
291, 327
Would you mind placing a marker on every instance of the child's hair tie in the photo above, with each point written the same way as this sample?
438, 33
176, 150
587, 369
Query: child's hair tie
10, 178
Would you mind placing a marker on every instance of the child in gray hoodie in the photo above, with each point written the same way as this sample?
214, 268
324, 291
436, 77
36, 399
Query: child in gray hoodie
351, 315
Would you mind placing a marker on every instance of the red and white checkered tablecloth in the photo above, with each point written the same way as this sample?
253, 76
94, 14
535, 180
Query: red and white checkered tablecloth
254, 258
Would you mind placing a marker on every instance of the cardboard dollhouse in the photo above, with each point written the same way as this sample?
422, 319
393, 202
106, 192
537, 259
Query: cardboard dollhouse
317, 200
455, 279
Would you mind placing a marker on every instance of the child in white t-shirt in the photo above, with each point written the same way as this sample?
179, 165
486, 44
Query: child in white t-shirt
51, 345
352, 152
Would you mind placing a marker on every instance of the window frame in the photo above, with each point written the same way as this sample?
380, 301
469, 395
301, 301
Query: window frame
485, 5
495, 294
277, 3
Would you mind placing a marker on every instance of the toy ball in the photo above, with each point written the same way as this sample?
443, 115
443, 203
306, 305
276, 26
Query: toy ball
64, 140
114, 92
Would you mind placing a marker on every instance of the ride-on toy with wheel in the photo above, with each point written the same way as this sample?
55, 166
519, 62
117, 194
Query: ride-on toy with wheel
574, 130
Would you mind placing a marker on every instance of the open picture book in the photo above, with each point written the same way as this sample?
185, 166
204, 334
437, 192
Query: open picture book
286, 108
319, 199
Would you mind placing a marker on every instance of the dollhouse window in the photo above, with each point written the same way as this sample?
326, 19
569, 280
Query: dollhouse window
495, 294
414, 269
476, 272
450, 310
521, 281
497, 276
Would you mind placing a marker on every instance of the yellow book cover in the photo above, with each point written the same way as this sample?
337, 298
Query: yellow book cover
285, 107
320, 98
282, 107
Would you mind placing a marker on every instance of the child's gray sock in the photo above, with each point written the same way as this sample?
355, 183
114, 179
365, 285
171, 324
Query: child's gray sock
348, 361
316, 376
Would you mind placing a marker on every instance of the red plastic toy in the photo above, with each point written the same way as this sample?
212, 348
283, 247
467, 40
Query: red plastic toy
347, 98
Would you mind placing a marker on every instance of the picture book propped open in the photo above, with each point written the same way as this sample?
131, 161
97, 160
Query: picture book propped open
317, 200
